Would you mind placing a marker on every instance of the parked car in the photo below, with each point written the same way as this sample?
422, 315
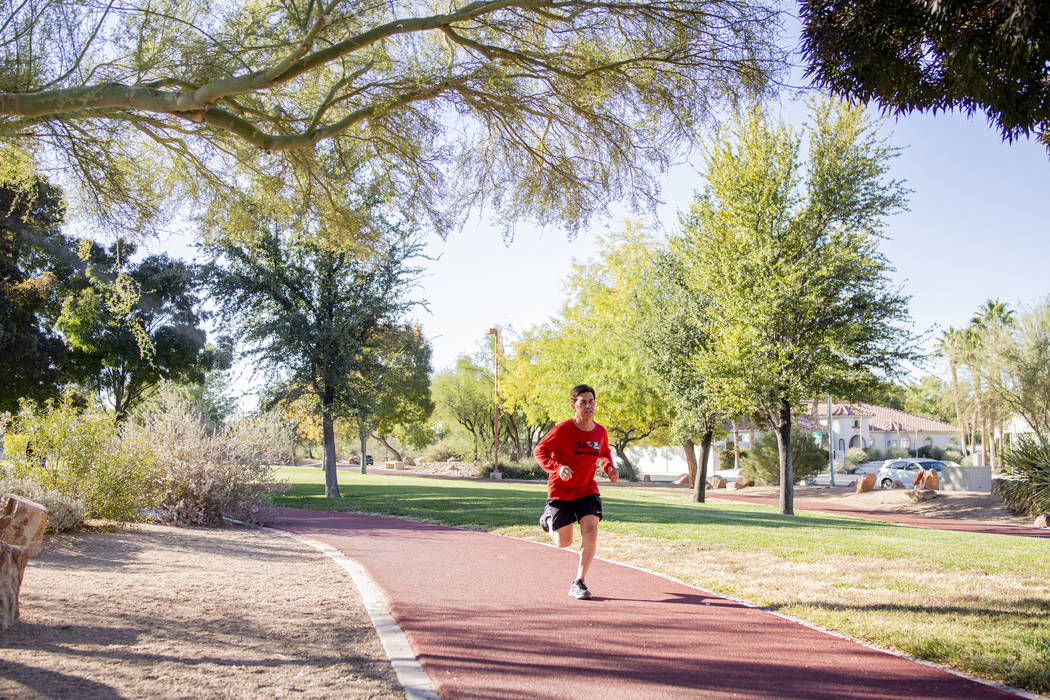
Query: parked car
356, 459
904, 471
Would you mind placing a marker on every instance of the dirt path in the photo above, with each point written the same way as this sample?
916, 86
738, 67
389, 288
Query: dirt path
159, 611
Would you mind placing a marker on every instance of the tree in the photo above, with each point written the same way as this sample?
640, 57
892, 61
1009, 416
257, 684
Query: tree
991, 325
672, 329
34, 260
990, 55
593, 342
314, 315
538, 109
125, 346
400, 389
950, 346
1023, 386
786, 256
464, 396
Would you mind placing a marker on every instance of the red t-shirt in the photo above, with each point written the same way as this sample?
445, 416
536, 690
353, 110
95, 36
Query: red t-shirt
580, 450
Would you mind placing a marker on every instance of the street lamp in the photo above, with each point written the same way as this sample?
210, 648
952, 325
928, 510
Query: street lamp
495, 404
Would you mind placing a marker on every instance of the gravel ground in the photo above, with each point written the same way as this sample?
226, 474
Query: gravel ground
164, 612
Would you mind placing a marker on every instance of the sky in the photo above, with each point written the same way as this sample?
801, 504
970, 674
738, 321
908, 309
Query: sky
976, 229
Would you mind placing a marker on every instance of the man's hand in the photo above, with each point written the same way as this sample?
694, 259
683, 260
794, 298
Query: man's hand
564, 473
613, 475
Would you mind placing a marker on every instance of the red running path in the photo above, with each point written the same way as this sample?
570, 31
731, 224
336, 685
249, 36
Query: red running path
489, 617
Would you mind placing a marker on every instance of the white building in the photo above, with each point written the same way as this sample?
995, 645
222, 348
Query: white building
853, 425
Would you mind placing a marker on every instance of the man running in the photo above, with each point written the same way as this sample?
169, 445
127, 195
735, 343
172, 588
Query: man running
569, 453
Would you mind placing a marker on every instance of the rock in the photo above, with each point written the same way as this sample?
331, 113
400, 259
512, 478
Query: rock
1043, 520
410, 461
920, 495
718, 482
864, 484
927, 480
22, 522
22, 525
683, 479
646, 478
743, 482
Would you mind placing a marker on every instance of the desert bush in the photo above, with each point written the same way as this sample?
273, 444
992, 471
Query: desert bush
763, 461
897, 453
855, 456
79, 454
953, 456
203, 473
931, 452
1025, 484
441, 451
525, 469
874, 454
63, 512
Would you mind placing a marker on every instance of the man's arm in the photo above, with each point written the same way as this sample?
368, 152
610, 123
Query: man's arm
544, 452
605, 460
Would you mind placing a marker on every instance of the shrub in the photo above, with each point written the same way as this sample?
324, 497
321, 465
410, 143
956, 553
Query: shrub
63, 513
874, 454
855, 456
953, 456
931, 452
441, 452
202, 474
527, 469
897, 453
80, 455
1025, 485
763, 461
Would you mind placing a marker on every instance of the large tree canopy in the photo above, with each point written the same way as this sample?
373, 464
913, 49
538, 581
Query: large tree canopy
988, 55
537, 108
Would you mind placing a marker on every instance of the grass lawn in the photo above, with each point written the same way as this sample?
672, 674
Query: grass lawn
978, 603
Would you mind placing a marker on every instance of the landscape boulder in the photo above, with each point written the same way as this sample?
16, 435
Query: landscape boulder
1043, 520
646, 478
717, 482
410, 461
683, 479
927, 480
742, 482
22, 525
920, 495
864, 483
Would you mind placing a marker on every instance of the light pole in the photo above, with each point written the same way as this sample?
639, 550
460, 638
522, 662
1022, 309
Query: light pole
495, 404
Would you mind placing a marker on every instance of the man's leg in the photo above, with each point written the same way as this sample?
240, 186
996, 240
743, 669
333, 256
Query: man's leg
588, 543
562, 536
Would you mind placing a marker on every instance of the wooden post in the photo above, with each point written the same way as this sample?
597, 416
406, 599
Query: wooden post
22, 525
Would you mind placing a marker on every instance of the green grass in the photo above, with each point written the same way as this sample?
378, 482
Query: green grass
976, 602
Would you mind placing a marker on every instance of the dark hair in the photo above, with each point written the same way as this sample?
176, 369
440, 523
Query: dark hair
581, 389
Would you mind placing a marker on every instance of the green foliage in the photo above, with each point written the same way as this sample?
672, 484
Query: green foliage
442, 451
1025, 487
32, 270
540, 114
874, 454
987, 56
763, 461
897, 453
465, 403
202, 473
526, 469
80, 455
135, 323
856, 456
63, 512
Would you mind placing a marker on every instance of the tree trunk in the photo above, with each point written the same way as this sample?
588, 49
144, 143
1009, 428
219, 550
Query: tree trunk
627, 469
787, 479
690, 461
331, 481
700, 484
958, 412
362, 435
382, 439
736, 445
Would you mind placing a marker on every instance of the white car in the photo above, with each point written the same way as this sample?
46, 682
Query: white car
904, 471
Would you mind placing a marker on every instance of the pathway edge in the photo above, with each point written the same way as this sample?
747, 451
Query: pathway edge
410, 674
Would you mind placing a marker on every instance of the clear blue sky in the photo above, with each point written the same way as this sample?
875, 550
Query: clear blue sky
977, 228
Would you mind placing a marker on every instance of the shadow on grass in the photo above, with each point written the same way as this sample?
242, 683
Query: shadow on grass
462, 503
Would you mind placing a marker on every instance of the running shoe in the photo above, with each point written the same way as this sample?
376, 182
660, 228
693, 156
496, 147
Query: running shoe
579, 590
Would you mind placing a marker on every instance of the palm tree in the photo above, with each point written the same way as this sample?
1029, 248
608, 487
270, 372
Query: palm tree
992, 322
950, 346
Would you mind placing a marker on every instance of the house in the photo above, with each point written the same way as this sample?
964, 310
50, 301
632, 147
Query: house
853, 424
864, 425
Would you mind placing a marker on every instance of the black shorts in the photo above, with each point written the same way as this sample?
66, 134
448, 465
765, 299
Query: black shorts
557, 514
